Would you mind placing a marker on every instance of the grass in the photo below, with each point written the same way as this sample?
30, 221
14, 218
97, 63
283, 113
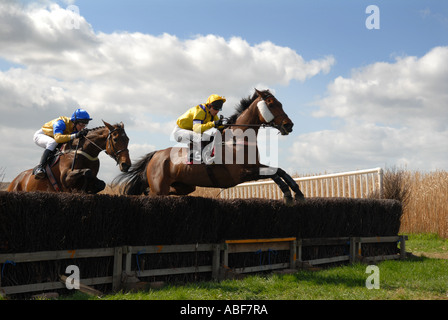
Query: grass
418, 278
428, 245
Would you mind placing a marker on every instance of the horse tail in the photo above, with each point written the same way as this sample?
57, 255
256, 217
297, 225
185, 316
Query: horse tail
134, 182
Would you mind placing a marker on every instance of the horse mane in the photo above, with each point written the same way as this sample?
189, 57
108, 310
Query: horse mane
242, 106
102, 127
96, 128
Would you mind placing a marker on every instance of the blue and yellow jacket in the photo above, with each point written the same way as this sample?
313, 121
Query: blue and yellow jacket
197, 119
60, 129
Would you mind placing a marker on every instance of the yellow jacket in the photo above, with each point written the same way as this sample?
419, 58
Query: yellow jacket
59, 129
197, 119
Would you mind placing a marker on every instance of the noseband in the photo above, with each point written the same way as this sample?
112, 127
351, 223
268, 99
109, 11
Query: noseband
271, 123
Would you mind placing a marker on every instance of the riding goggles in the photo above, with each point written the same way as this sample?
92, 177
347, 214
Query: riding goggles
217, 105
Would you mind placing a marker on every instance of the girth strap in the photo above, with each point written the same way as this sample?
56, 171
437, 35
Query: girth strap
211, 175
53, 181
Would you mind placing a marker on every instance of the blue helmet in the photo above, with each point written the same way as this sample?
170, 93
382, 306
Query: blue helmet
80, 114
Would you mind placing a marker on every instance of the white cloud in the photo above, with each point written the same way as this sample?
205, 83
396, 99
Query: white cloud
392, 113
131, 77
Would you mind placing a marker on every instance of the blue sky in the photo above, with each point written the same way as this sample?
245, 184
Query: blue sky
380, 69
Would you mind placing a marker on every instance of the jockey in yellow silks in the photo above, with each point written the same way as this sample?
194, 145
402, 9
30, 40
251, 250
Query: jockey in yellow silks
60, 130
200, 123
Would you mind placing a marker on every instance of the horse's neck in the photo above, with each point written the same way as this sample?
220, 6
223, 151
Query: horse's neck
249, 117
96, 141
242, 136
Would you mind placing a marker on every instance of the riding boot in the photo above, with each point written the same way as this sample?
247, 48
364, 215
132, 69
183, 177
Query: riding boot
40, 172
208, 152
190, 153
194, 155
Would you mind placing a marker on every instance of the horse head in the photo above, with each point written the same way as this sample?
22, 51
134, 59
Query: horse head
271, 112
117, 145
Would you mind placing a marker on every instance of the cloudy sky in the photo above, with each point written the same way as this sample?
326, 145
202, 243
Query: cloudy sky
364, 88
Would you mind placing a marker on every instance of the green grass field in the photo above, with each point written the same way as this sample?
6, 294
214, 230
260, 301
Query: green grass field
424, 277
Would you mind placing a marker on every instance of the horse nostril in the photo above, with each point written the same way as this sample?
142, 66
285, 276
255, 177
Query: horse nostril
125, 167
288, 126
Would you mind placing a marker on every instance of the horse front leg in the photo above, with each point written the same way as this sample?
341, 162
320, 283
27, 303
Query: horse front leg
284, 181
287, 196
292, 184
278, 176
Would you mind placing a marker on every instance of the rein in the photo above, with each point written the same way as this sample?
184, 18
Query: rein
108, 142
262, 125
111, 146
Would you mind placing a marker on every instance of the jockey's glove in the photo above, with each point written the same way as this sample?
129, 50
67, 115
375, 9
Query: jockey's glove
81, 134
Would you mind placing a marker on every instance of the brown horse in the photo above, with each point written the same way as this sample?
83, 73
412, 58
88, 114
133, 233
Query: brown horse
166, 173
78, 163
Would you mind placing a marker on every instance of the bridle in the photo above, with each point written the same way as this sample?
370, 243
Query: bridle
114, 155
261, 125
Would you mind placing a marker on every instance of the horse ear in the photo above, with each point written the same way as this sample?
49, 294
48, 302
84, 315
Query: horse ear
110, 127
122, 124
258, 92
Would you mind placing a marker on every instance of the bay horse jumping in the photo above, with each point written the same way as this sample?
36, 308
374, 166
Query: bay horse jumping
164, 172
78, 163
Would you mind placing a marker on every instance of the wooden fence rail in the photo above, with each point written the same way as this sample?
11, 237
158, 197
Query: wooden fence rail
353, 184
220, 253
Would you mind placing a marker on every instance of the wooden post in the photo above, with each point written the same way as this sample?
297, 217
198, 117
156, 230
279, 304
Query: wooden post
299, 250
118, 268
225, 259
402, 247
128, 252
352, 250
293, 254
215, 261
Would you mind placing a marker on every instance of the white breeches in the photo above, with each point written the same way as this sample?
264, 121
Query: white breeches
186, 136
44, 141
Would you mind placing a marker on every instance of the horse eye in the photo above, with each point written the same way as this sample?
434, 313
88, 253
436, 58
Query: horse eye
270, 103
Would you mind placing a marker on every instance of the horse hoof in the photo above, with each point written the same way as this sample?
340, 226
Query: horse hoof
299, 198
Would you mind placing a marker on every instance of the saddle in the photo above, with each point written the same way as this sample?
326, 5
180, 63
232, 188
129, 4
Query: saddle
52, 160
54, 157
191, 156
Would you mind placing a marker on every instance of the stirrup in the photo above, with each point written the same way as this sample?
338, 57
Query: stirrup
40, 174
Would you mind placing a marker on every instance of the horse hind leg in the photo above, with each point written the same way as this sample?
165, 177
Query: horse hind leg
159, 186
181, 189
